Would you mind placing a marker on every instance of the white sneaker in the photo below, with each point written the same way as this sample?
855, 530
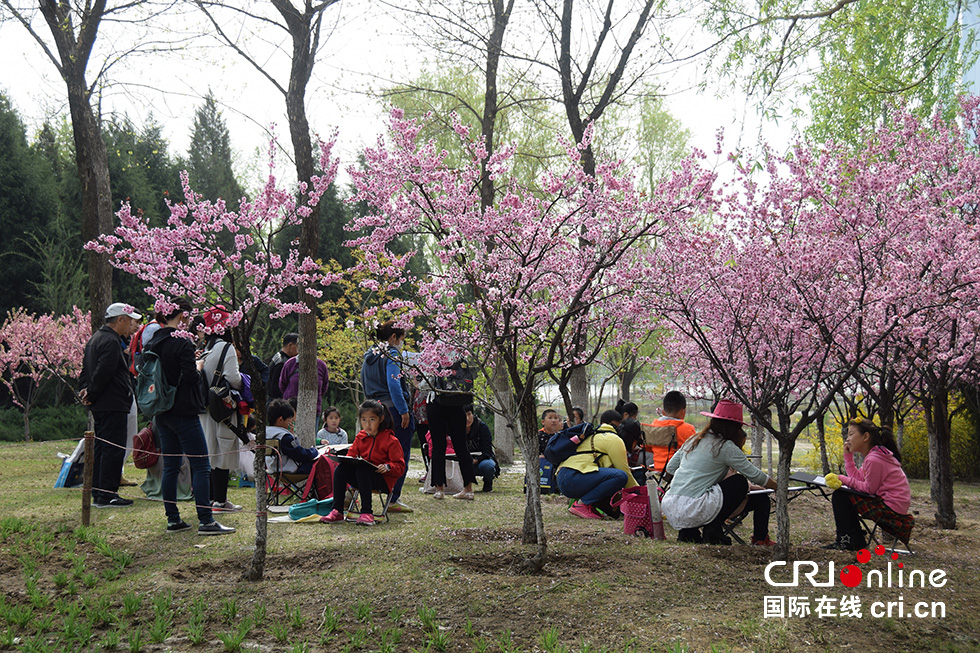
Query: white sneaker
227, 506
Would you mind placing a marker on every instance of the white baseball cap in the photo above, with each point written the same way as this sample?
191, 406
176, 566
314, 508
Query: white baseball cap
117, 309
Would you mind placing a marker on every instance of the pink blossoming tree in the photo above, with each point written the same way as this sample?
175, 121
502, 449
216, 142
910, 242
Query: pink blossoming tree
814, 269
522, 281
186, 258
34, 348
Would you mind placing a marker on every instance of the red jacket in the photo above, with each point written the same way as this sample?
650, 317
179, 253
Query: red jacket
382, 449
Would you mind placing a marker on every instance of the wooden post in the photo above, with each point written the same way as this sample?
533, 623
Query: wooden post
87, 477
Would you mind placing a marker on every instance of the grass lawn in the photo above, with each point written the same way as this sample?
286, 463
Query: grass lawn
443, 578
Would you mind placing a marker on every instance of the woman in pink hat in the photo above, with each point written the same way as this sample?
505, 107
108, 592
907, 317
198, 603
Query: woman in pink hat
702, 491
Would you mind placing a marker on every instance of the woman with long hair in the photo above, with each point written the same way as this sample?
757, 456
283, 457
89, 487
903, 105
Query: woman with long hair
704, 493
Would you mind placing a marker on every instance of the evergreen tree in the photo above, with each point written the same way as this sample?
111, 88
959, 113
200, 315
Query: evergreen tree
28, 202
209, 159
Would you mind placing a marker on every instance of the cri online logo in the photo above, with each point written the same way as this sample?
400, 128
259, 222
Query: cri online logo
851, 575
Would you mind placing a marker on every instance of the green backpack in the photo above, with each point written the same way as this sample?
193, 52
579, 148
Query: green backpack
153, 394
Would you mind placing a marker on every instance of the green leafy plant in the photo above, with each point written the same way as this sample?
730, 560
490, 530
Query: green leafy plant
362, 611
60, 579
111, 639
233, 641
439, 639
111, 573
330, 623
549, 640
89, 580
358, 638
229, 610
259, 613
131, 604
135, 640
162, 625
427, 617
299, 647
279, 631
296, 617
468, 628
390, 637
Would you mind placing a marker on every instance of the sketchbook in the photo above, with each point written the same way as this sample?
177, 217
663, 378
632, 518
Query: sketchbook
352, 459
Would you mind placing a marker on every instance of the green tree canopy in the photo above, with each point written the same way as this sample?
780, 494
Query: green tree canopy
210, 157
28, 203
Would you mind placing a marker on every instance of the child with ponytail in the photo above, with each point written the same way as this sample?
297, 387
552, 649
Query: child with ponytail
879, 490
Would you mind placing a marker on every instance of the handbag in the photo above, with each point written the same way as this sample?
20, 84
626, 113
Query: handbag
221, 404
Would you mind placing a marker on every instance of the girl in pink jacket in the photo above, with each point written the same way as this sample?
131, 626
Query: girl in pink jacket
878, 491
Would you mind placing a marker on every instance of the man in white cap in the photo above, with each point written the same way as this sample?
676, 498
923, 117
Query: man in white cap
107, 389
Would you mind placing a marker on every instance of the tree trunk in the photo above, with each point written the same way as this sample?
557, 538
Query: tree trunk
822, 438
27, 423
626, 379
786, 446
503, 423
900, 431
304, 31
93, 175
533, 531
927, 410
945, 512
579, 389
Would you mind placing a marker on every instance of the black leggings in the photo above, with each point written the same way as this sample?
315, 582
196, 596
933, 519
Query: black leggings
362, 478
734, 490
448, 421
846, 516
219, 484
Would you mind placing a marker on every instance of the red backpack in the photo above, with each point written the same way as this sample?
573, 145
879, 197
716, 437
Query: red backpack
146, 453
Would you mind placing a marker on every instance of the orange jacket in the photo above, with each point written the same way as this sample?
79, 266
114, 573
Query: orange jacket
382, 449
661, 454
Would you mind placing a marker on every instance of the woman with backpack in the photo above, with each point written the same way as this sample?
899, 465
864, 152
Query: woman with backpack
221, 361
597, 469
179, 428
383, 380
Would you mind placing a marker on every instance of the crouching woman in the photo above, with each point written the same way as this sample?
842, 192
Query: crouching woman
702, 491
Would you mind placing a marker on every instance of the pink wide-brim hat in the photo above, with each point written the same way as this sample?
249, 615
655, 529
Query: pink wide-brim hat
729, 410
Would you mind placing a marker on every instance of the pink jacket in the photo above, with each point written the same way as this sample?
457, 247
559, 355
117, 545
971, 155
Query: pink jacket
881, 475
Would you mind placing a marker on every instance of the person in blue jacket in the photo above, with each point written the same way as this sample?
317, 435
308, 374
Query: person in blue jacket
383, 380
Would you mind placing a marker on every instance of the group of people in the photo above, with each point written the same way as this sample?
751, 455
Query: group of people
710, 479
378, 458
107, 385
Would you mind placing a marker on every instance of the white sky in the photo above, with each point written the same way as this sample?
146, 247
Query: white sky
364, 50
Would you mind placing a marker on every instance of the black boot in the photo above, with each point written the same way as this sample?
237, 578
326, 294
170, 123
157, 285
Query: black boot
689, 535
488, 483
715, 535
848, 542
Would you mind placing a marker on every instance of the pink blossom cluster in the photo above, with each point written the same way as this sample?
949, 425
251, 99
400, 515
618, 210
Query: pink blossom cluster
187, 258
807, 271
39, 347
545, 278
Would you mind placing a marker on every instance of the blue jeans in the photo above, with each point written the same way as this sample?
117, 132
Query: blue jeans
486, 469
182, 434
404, 436
591, 487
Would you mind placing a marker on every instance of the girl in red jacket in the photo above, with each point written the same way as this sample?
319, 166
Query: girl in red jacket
376, 444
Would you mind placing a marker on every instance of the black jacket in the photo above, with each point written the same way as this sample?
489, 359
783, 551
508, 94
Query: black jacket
180, 368
105, 372
479, 439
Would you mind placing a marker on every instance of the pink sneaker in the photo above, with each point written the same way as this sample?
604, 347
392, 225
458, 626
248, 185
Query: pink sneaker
584, 511
366, 519
335, 517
